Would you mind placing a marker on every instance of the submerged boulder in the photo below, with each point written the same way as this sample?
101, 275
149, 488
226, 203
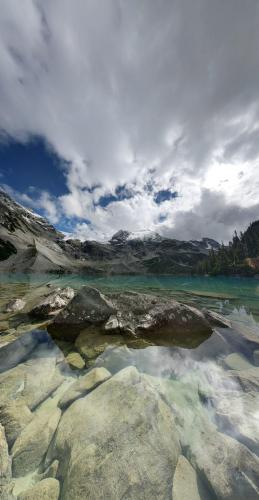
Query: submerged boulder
119, 441
84, 385
47, 489
185, 483
14, 416
5, 467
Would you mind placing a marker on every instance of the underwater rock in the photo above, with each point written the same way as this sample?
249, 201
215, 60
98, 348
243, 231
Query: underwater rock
75, 361
236, 361
32, 444
216, 319
51, 470
185, 483
248, 379
47, 489
53, 303
16, 351
92, 342
14, 416
256, 357
129, 437
84, 385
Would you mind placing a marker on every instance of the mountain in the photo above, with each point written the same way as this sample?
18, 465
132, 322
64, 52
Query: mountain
29, 243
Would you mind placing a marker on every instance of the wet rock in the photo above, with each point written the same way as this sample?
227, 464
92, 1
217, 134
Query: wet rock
92, 342
75, 361
216, 319
5, 468
236, 361
32, 444
47, 489
35, 379
185, 483
228, 467
237, 415
88, 307
134, 452
16, 351
14, 305
53, 303
14, 416
84, 385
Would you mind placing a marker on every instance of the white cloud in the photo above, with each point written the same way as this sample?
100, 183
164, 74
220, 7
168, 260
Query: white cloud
135, 92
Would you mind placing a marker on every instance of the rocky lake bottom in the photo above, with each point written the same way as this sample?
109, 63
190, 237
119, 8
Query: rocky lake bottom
129, 388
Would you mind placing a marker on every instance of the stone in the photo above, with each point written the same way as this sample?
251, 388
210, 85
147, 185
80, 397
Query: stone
248, 379
14, 416
32, 381
18, 350
230, 469
88, 307
32, 444
47, 489
75, 361
5, 467
120, 441
53, 303
216, 319
14, 305
84, 385
237, 415
185, 482
51, 471
4, 325
256, 357
236, 361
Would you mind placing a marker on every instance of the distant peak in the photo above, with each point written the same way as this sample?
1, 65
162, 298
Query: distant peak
143, 235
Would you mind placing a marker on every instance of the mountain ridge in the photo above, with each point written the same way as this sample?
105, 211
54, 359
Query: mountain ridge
28, 243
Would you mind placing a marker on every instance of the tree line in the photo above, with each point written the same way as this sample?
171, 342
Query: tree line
236, 257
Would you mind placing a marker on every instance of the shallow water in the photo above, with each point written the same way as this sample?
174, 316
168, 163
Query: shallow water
212, 390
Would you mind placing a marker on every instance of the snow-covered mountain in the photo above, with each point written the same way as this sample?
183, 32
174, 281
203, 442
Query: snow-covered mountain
29, 243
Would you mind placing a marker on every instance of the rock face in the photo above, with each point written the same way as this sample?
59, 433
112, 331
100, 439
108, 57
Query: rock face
31, 446
53, 303
47, 489
112, 436
158, 320
84, 385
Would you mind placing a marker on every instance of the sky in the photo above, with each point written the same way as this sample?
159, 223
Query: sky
132, 114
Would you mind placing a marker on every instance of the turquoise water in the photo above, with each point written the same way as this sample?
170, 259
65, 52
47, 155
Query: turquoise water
212, 389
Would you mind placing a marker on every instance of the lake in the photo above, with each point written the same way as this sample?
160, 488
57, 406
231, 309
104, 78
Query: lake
211, 392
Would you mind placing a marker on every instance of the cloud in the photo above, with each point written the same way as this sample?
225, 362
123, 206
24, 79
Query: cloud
135, 94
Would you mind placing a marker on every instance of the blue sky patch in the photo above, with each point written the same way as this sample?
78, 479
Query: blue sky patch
164, 195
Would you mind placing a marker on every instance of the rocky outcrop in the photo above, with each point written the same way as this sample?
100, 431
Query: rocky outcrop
47, 489
53, 303
125, 453
158, 320
84, 385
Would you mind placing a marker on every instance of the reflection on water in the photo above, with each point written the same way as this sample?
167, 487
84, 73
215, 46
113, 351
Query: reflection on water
211, 391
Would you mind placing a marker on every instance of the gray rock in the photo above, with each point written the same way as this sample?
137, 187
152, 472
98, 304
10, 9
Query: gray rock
236, 361
88, 307
15, 305
32, 381
229, 468
5, 468
84, 385
185, 483
47, 489
216, 319
14, 416
237, 415
120, 441
53, 303
32, 444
